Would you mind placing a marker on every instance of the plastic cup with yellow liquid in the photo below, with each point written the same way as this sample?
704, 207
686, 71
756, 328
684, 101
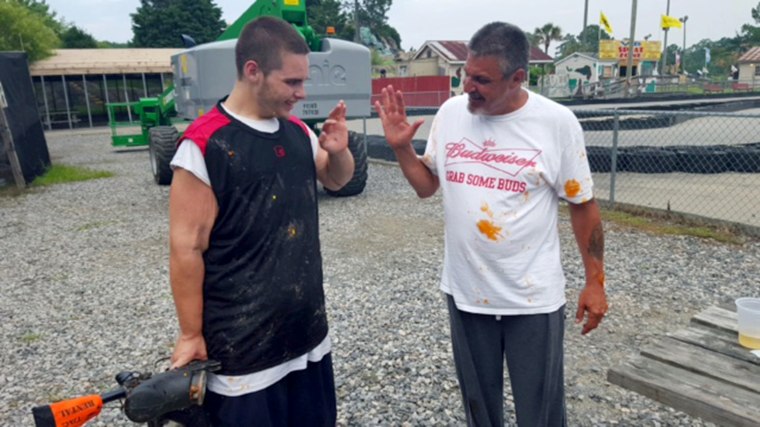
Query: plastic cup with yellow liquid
748, 310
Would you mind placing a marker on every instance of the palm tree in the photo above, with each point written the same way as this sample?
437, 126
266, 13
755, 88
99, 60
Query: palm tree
548, 33
533, 39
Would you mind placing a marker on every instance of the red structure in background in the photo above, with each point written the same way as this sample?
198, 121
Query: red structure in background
421, 91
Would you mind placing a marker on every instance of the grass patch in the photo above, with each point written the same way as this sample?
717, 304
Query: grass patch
666, 224
10, 190
671, 226
60, 174
30, 338
93, 225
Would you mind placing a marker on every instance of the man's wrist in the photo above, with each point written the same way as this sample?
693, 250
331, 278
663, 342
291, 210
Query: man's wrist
597, 279
189, 336
338, 153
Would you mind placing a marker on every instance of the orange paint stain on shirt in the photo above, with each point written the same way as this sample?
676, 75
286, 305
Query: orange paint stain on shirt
489, 229
572, 188
487, 209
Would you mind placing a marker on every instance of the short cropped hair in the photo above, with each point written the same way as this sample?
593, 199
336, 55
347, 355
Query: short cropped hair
264, 40
505, 41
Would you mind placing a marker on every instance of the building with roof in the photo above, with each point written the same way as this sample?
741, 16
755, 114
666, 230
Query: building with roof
749, 67
579, 73
74, 85
447, 58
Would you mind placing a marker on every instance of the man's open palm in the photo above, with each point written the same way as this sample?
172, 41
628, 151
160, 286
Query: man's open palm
392, 112
334, 135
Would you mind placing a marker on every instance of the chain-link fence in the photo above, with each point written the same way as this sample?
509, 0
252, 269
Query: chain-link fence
699, 164
578, 87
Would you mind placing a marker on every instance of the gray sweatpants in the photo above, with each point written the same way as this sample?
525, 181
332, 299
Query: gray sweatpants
533, 346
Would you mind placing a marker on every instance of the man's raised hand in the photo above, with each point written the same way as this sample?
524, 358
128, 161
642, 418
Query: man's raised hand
334, 135
392, 112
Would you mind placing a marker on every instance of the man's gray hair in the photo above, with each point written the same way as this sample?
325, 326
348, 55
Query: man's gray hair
504, 41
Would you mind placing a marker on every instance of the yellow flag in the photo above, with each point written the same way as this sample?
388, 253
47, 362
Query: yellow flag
605, 23
669, 22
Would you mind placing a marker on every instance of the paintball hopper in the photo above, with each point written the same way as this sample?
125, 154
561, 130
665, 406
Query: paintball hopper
169, 391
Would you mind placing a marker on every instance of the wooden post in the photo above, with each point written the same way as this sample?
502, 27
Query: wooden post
7, 138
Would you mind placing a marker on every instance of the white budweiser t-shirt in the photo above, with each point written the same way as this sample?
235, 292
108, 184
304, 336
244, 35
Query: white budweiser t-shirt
501, 178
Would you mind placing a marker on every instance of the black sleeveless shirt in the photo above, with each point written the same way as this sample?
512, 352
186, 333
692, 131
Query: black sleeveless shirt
263, 301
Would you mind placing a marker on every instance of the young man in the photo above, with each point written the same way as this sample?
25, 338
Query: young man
245, 261
503, 157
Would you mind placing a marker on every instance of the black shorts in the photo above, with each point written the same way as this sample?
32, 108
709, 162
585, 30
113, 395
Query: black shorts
302, 398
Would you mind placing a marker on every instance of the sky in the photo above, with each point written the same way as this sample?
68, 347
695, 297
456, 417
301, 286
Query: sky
421, 20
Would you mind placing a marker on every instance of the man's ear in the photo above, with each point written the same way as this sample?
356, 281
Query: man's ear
519, 76
252, 71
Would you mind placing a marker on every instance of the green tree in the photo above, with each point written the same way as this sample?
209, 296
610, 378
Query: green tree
160, 23
723, 53
104, 44
42, 9
76, 38
547, 34
533, 39
373, 14
750, 34
340, 14
329, 13
671, 54
390, 35
587, 41
24, 30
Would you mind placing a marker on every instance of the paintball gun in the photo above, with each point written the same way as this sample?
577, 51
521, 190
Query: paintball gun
175, 395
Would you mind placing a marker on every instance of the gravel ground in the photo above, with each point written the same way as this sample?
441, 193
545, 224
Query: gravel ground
85, 295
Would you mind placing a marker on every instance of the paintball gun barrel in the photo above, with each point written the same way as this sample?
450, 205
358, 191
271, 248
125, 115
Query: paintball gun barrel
172, 395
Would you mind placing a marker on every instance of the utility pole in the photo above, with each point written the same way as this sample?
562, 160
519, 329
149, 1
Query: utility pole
357, 36
585, 16
629, 67
664, 67
683, 52
585, 19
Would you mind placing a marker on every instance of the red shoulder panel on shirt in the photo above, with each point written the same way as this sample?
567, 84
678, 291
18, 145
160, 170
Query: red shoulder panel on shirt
298, 121
203, 127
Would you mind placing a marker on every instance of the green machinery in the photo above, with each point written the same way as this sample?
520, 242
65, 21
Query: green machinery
203, 74
154, 111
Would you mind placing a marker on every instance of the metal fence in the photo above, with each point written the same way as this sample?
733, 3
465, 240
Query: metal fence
426, 99
703, 165
566, 86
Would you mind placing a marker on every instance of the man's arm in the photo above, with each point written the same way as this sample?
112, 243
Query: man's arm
399, 134
192, 211
335, 164
587, 227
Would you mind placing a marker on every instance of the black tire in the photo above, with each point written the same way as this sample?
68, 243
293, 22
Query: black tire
599, 159
745, 159
358, 147
702, 160
650, 161
161, 147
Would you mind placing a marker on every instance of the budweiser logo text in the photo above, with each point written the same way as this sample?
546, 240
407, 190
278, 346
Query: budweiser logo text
458, 151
